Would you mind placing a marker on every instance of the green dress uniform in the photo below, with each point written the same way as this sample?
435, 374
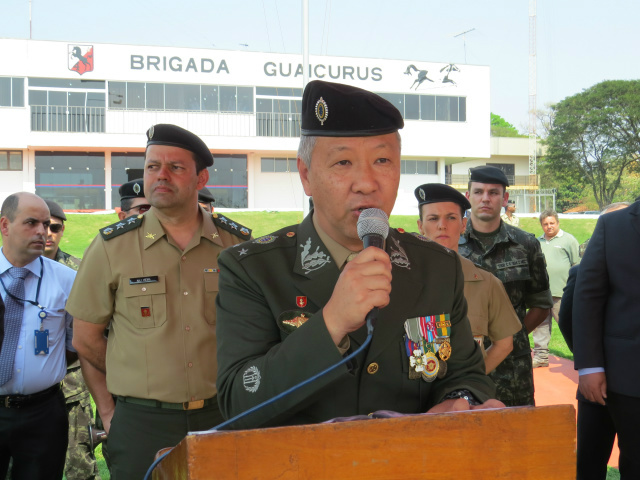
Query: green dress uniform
81, 462
161, 302
272, 334
515, 257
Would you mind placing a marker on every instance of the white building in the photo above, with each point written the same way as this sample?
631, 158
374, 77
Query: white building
74, 117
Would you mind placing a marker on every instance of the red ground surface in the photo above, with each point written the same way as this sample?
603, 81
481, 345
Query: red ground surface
557, 385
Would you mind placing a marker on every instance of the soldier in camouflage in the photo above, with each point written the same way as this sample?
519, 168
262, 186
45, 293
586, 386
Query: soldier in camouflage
81, 462
515, 257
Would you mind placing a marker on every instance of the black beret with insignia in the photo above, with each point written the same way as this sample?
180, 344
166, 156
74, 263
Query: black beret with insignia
55, 210
132, 189
204, 196
336, 110
511, 202
174, 136
488, 174
438, 192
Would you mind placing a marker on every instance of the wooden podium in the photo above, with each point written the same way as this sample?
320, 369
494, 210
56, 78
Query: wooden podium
537, 443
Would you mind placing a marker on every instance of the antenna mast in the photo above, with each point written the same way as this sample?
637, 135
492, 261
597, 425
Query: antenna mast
464, 41
533, 138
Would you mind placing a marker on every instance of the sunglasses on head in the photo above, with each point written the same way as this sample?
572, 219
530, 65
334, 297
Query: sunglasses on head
56, 227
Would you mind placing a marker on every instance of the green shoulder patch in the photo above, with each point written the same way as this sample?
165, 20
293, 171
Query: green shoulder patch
230, 226
123, 226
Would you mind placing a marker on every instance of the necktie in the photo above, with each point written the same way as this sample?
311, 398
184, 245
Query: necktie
12, 322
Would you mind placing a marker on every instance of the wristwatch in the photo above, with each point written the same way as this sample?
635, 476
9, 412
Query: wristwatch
463, 393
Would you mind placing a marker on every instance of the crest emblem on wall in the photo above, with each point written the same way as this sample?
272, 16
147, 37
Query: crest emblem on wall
80, 58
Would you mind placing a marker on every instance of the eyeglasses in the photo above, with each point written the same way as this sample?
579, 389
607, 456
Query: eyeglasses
56, 227
145, 207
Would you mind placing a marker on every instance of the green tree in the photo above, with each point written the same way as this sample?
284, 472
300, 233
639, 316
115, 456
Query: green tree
595, 137
501, 128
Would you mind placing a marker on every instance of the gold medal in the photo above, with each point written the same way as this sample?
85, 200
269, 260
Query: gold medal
445, 351
431, 368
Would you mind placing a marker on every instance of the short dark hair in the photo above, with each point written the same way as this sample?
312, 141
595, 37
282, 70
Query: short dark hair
10, 206
125, 204
549, 213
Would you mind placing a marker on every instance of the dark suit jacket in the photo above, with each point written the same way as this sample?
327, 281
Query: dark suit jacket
565, 315
261, 284
606, 306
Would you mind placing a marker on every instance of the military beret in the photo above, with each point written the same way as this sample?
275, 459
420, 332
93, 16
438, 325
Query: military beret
55, 210
204, 196
438, 192
174, 136
132, 189
511, 202
336, 110
487, 174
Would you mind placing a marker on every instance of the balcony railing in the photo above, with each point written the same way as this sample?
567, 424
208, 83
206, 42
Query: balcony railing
52, 118
520, 180
278, 124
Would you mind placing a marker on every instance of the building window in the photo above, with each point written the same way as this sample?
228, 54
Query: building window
418, 167
63, 105
74, 180
11, 92
124, 168
277, 116
180, 97
228, 180
429, 107
273, 164
10, 160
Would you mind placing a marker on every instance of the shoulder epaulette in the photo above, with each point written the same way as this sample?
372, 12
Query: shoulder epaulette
230, 226
285, 237
123, 226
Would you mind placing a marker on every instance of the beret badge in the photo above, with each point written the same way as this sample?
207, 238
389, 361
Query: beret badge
151, 130
322, 110
136, 188
422, 195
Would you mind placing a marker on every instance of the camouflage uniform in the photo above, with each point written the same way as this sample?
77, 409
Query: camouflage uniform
81, 462
515, 257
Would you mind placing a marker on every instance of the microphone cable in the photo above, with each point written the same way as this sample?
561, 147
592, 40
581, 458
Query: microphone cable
370, 326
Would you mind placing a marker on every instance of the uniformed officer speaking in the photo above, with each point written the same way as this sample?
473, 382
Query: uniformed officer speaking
293, 302
155, 277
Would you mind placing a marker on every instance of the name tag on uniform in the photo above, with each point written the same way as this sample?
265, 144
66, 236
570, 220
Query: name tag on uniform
141, 280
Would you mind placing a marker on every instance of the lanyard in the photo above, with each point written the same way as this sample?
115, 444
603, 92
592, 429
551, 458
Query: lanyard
32, 302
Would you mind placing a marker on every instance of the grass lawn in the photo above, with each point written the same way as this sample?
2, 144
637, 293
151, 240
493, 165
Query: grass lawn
82, 228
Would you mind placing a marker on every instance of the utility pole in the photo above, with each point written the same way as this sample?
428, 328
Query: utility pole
464, 41
533, 138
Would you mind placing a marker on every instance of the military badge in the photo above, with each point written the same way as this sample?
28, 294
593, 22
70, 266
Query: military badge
251, 379
421, 193
322, 110
151, 236
398, 256
301, 301
108, 231
266, 239
430, 334
119, 225
431, 367
442, 371
445, 351
291, 320
313, 261
145, 311
136, 188
151, 132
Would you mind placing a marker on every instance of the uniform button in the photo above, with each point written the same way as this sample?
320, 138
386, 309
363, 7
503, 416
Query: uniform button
190, 364
144, 289
20, 347
187, 328
186, 293
18, 370
184, 257
372, 368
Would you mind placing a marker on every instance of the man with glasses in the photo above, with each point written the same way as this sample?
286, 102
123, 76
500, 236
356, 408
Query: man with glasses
54, 235
132, 199
80, 462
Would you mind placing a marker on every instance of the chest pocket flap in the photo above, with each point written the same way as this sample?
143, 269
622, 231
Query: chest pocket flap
145, 304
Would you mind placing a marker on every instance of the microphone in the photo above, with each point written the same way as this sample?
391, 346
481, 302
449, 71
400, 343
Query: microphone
373, 229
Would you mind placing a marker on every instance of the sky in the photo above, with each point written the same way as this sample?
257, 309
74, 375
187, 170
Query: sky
579, 42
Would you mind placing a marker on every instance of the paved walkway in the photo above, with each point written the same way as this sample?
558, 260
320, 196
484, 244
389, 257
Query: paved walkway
557, 385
